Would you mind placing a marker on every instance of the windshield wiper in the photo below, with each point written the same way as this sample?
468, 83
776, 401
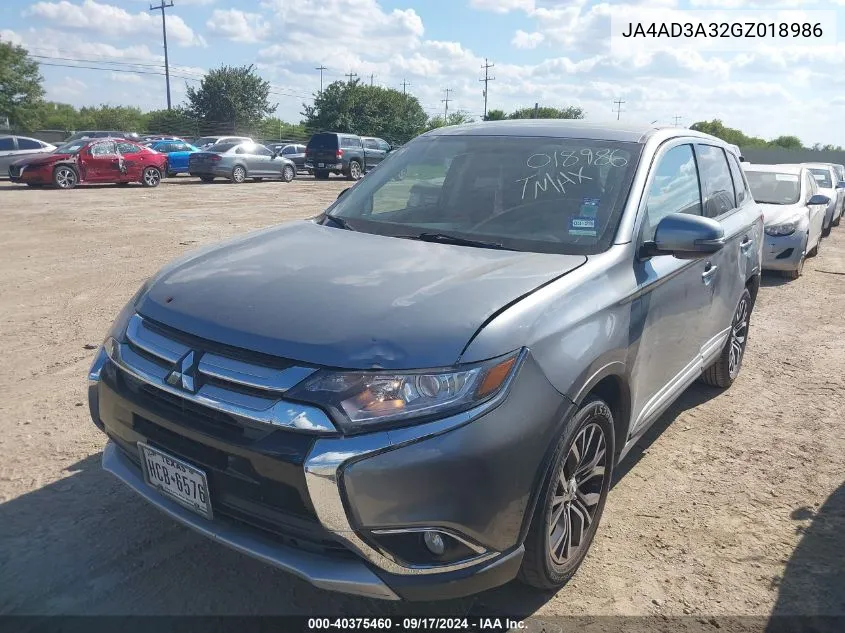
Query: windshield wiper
338, 221
443, 238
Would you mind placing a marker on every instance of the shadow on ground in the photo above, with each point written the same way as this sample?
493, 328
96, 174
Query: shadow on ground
87, 545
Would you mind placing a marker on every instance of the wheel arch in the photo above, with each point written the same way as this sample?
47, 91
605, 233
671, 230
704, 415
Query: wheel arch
611, 385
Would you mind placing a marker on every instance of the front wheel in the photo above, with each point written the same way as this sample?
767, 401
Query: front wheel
724, 371
64, 177
288, 173
151, 177
238, 174
815, 250
572, 499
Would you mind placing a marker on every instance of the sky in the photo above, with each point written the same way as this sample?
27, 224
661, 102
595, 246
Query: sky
556, 52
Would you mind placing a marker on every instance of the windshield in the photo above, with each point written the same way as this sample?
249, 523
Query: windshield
323, 141
205, 140
769, 187
71, 148
220, 148
552, 195
822, 177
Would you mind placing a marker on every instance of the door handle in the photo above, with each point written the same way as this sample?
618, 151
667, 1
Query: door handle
709, 271
746, 244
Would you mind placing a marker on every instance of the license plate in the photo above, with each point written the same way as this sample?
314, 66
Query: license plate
176, 479
321, 165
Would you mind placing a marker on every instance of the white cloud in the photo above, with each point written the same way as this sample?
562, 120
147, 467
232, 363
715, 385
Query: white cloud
10, 36
127, 78
527, 40
502, 6
111, 21
237, 25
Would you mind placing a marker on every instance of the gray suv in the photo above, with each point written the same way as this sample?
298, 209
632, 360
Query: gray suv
425, 396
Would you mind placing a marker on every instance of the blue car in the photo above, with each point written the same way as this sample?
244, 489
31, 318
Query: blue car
177, 152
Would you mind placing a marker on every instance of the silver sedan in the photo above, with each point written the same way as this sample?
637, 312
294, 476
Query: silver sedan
240, 161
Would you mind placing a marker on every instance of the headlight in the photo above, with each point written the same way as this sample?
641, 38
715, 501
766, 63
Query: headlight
361, 400
784, 228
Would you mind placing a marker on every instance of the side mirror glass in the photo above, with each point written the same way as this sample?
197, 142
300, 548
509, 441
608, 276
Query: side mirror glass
342, 192
818, 199
685, 237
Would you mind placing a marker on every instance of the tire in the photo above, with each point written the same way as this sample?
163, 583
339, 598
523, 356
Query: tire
837, 220
151, 177
207, 178
257, 179
815, 250
288, 173
65, 177
321, 174
35, 185
826, 229
549, 566
238, 174
355, 171
724, 371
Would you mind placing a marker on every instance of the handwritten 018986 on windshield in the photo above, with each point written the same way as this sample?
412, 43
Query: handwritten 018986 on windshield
560, 169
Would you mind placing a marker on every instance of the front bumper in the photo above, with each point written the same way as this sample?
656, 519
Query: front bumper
471, 475
784, 252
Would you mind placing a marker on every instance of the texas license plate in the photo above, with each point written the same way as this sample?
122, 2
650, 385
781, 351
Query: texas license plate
176, 479
321, 164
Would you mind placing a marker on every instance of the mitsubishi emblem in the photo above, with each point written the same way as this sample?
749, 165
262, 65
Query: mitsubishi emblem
183, 375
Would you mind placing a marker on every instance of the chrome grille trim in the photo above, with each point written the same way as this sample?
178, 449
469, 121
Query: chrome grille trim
152, 357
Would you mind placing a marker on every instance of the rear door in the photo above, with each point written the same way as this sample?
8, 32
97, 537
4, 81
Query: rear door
373, 154
130, 156
8, 151
101, 162
816, 211
734, 263
263, 161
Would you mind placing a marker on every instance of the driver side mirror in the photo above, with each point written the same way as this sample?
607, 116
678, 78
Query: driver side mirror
685, 237
342, 192
818, 199
840, 184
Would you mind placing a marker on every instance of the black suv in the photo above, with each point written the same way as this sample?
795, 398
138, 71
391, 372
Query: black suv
336, 153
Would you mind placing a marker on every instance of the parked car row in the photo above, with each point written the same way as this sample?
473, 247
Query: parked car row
506, 339
800, 203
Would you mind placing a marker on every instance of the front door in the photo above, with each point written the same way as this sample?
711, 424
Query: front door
673, 296
131, 166
373, 154
101, 163
262, 163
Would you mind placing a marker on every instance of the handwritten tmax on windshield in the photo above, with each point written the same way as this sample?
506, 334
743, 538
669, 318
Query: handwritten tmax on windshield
558, 169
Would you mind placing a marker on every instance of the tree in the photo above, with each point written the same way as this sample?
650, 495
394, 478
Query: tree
275, 128
454, 118
107, 117
728, 134
787, 142
231, 97
370, 110
496, 115
20, 86
49, 115
545, 112
176, 121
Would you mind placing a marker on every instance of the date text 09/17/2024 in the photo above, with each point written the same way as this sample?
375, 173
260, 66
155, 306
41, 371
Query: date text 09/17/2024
416, 623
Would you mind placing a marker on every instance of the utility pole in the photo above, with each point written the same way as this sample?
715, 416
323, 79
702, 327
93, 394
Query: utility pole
351, 75
162, 7
536, 110
677, 119
618, 103
486, 79
404, 84
321, 68
446, 107
371, 78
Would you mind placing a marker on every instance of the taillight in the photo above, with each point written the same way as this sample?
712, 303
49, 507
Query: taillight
215, 158
339, 154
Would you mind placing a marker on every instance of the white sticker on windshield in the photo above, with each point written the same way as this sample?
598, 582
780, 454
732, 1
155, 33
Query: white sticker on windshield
786, 177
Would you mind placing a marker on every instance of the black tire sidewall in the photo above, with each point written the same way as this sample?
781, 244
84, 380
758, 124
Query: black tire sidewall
76, 173
592, 410
144, 176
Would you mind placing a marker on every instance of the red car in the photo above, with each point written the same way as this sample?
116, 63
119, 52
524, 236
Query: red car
91, 161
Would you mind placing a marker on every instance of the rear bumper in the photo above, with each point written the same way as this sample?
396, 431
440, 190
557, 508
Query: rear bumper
333, 167
783, 252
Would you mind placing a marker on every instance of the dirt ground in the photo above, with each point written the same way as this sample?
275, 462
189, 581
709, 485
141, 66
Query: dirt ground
733, 505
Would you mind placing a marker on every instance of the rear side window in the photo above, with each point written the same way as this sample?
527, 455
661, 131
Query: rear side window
128, 148
716, 183
350, 142
290, 149
370, 143
103, 149
7, 144
822, 177
810, 186
28, 143
222, 147
323, 141
740, 185
674, 189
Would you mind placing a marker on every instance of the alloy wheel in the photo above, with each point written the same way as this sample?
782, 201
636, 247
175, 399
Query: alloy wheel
151, 177
287, 173
238, 174
739, 336
65, 177
577, 493
354, 170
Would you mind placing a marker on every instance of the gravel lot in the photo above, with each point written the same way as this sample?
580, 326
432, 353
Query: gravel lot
734, 504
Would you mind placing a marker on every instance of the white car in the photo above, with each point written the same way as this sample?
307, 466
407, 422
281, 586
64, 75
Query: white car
828, 182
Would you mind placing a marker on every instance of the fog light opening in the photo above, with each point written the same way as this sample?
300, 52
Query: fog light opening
434, 542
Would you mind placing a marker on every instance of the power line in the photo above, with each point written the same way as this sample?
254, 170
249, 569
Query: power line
162, 7
371, 78
405, 83
618, 103
676, 119
321, 68
351, 75
486, 79
446, 107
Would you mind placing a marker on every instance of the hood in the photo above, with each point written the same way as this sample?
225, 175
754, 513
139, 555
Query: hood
779, 213
345, 299
40, 159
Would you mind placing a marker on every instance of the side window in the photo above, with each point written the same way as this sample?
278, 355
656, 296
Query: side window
674, 189
716, 183
740, 186
103, 149
350, 142
260, 150
370, 143
240, 150
383, 145
128, 148
810, 186
300, 149
288, 149
28, 143
7, 144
